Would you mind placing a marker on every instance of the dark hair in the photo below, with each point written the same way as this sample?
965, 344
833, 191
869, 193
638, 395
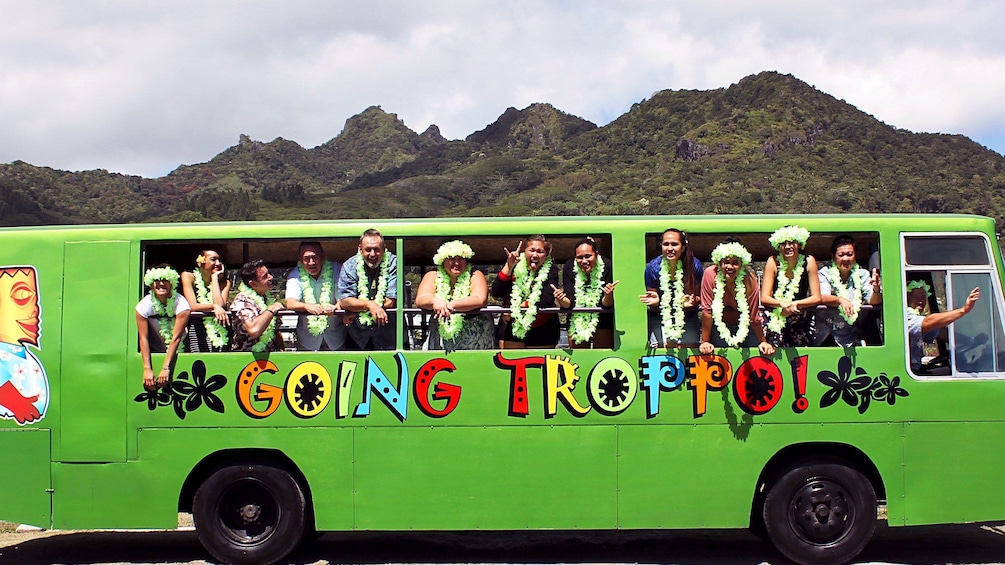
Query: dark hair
204, 250
683, 236
588, 240
249, 271
842, 240
692, 280
542, 239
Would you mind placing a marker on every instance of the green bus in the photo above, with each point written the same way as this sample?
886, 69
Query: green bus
809, 446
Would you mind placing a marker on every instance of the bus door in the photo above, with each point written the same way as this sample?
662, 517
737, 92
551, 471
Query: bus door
954, 445
96, 329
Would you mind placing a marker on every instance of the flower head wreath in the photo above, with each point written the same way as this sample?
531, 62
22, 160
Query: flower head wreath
919, 284
732, 249
161, 274
789, 233
455, 248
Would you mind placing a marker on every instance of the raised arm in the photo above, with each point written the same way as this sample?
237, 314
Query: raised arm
940, 320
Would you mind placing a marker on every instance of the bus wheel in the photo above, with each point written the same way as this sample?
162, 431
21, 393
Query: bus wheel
250, 514
820, 513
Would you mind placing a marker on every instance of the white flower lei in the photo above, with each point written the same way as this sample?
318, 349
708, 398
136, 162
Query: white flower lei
363, 288
840, 289
741, 303
317, 323
450, 327
583, 325
215, 331
672, 304
166, 314
270, 331
526, 288
785, 290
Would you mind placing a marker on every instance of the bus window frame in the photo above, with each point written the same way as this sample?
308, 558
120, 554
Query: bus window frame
990, 268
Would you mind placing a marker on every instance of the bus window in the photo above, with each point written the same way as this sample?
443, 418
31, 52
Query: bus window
946, 268
489, 256
977, 339
937, 251
281, 256
830, 328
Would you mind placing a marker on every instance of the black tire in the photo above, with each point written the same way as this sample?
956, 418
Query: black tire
250, 514
820, 513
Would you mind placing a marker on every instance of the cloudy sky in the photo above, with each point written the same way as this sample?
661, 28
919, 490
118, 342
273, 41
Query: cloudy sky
142, 87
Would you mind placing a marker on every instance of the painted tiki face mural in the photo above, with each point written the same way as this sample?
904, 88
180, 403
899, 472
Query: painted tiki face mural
19, 310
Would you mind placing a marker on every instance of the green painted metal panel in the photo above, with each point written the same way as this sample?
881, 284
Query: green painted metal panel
954, 472
145, 493
96, 326
105, 495
323, 455
520, 477
26, 500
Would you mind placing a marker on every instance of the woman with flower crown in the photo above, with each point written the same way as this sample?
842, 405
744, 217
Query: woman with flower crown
673, 282
526, 284
844, 288
729, 302
452, 291
588, 283
206, 288
789, 289
255, 311
161, 317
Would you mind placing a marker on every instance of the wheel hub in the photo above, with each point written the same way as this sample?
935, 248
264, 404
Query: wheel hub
250, 513
819, 511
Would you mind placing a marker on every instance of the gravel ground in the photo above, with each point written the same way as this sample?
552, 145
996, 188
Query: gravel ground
10, 536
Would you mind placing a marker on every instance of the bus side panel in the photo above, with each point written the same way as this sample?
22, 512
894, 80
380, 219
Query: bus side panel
95, 336
103, 495
519, 477
27, 499
323, 455
954, 472
679, 477
144, 493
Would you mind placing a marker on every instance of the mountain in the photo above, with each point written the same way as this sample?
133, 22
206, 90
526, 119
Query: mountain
769, 143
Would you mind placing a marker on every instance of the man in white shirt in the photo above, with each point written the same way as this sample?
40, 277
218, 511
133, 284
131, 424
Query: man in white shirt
312, 290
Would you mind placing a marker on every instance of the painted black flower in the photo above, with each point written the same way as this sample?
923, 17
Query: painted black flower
154, 398
885, 388
843, 387
177, 396
200, 391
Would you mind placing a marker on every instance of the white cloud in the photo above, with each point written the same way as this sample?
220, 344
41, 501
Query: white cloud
144, 87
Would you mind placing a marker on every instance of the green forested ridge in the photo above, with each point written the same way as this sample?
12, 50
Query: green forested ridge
769, 143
